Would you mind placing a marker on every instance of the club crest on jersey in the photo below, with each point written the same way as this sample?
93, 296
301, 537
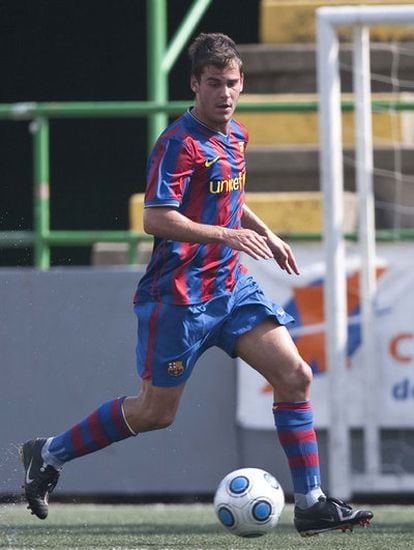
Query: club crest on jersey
175, 368
241, 146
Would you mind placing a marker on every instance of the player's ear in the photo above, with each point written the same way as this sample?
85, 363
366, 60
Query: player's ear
241, 81
194, 83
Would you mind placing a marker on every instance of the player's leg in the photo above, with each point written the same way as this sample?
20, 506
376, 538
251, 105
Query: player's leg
269, 349
254, 331
160, 344
43, 458
153, 408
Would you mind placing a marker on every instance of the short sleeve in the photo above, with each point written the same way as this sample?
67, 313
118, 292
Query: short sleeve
170, 167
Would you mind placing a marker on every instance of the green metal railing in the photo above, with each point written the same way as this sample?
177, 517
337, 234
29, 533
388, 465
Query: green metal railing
156, 110
161, 58
42, 238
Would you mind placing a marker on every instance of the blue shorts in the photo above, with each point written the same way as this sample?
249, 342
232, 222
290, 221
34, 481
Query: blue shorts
171, 338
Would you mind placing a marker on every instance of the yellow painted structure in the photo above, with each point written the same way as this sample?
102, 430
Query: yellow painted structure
301, 128
289, 212
290, 21
292, 212
136, 211
297, 211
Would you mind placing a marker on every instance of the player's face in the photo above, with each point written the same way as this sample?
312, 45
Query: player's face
216, 95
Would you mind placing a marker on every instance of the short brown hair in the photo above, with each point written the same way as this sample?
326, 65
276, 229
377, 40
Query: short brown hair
214, 49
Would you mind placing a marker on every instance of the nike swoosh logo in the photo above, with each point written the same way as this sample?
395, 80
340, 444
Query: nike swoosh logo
208, 163
28, 478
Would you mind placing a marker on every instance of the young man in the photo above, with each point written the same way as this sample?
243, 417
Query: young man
195, 294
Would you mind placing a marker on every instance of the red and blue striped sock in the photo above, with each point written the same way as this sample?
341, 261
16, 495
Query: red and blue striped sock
102, 427
294, 423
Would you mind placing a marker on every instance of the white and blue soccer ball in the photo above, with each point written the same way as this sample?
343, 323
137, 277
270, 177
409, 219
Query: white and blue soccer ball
248, 502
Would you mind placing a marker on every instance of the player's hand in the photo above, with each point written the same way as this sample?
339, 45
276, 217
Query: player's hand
250, 242
283, 254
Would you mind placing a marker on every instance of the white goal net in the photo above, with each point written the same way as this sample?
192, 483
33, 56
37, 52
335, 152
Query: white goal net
379, 473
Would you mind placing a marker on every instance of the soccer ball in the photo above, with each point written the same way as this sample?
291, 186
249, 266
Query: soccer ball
248, 502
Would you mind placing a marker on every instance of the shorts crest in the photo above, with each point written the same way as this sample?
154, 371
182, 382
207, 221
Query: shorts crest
175, 368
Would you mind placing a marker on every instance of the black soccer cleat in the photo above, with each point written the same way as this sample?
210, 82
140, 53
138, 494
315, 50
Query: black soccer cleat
40, 479
329, 514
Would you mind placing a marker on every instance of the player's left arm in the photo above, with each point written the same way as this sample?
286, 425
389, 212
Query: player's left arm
281, 251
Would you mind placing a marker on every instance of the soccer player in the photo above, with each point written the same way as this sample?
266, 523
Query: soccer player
196, 294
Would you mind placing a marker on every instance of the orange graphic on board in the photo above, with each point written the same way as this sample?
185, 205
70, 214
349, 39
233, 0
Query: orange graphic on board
307, 306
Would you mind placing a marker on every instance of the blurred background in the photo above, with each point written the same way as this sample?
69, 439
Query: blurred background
67, 336
87, 51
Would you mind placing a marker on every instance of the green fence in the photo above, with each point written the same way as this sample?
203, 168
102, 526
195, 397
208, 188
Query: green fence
42, 238
160, 60
157, 109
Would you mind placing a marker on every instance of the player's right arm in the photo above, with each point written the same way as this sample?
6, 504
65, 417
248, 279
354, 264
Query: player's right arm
168, 223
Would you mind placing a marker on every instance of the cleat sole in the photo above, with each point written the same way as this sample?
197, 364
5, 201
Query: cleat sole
344, 528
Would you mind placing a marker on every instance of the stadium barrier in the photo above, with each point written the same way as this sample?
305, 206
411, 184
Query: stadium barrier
68, 343
42, 238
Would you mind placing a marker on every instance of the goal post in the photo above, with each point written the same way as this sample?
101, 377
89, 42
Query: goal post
328, 20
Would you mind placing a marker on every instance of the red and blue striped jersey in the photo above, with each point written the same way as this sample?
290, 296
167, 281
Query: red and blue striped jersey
202, 173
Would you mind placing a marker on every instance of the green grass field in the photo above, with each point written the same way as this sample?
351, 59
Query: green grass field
184, 526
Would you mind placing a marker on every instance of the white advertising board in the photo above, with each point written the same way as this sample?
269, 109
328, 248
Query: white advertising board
302, 296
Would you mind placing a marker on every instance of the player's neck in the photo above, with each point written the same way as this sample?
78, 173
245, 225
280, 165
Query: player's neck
214, 128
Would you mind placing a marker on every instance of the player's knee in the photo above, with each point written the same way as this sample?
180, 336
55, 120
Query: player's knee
145, 415
303, 376
297, 382
164, 420
158, 419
